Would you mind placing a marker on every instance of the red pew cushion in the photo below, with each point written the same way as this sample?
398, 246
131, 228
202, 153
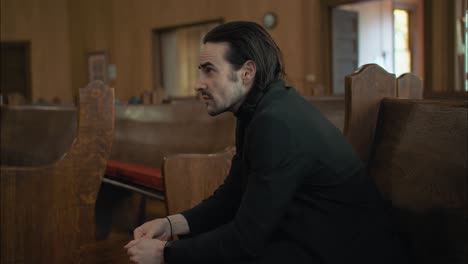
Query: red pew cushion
134, 173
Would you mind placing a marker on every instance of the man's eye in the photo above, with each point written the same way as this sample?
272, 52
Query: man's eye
208, 70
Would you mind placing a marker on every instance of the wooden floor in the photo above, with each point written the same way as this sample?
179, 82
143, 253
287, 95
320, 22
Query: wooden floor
120, 210
118, 213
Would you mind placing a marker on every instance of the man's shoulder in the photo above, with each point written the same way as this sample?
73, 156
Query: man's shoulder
284, 106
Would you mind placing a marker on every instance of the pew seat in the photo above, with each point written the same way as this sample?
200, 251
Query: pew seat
134, 173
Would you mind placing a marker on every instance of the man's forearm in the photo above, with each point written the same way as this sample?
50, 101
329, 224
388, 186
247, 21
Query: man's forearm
179, 224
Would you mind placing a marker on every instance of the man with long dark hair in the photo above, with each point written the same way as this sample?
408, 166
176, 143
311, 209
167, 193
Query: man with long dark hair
296, 191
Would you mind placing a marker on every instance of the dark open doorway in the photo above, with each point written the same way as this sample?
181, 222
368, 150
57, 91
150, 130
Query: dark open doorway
15, 78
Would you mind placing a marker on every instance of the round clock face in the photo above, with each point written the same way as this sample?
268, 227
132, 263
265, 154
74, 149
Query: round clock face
269, 20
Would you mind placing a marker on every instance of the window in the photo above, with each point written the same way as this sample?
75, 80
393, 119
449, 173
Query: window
402, 46
177, 51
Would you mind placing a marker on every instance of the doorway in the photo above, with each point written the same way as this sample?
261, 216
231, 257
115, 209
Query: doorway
345, 46
15, 78
361, 33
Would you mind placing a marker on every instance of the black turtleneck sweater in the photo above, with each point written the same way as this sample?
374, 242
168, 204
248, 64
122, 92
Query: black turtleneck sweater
294, 178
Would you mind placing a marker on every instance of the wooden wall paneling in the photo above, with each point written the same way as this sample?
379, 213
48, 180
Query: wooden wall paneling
314, 57
78, 65
439, 51
290, 19
45, 25
62, 32
91, 30
134, 22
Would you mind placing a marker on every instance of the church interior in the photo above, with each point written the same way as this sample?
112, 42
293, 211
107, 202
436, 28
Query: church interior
102, 129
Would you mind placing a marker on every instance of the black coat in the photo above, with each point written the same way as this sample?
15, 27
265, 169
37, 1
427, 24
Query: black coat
294, 178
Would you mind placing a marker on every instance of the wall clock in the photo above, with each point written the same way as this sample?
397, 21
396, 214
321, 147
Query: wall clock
270, 20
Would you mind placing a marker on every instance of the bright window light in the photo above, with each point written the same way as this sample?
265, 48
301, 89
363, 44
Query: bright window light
402, 42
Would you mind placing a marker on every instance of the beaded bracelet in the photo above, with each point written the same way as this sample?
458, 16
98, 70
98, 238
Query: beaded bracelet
170, 225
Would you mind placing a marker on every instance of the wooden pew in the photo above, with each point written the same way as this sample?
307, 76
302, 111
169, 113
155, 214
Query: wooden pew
190, 178
416, 151
48, 211
35, 135
146, 134
410, 86
333, 107
364, 91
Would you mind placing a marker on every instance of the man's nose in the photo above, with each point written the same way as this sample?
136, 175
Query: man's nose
199, 85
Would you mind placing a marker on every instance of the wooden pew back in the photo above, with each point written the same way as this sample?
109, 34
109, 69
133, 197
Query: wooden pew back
145, 134
48, 212
333, 107
419, 162
39, 135
416, 151
410, 86
190, 178
364, 90
35, 135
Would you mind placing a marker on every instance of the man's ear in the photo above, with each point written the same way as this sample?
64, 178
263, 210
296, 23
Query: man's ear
249, 69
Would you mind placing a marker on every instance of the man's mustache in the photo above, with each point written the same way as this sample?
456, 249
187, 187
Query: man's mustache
205, 94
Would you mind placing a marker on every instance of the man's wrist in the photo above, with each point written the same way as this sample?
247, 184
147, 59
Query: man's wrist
179, 224
171, 231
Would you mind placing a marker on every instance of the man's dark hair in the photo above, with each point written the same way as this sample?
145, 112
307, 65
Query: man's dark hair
250, 41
